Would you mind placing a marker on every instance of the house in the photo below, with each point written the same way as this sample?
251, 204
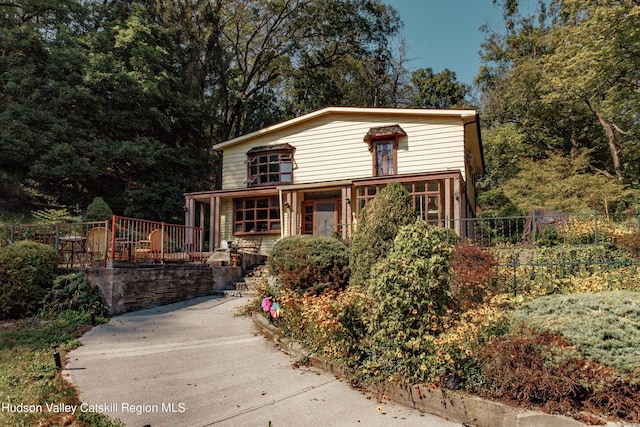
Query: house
315, 173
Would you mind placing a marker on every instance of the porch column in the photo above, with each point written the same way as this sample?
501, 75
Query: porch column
448, 196
214, 223
212, 214
190, 214
457, 203
345, 218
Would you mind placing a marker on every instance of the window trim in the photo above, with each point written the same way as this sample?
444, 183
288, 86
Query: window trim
285, 155
380, 135
273, 204
394, 153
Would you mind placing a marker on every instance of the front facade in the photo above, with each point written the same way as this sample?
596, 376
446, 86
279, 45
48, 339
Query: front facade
314, 174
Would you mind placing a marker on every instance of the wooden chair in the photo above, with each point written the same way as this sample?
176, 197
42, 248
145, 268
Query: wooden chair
97, 244
152, 247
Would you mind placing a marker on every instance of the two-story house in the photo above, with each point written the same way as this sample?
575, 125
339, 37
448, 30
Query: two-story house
315, 173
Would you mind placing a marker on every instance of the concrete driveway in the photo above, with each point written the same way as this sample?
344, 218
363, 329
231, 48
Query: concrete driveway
196, 364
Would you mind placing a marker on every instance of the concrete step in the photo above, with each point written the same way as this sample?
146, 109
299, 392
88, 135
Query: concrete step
237, 293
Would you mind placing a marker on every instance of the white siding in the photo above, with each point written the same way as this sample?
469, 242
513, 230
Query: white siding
332, 148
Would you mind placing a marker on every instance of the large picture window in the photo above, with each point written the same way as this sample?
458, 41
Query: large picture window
270, 165
260, 215
426, 197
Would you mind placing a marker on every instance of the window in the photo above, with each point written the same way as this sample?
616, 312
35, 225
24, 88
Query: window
270, 165
425, 196
256, 215
383, 144
385, 158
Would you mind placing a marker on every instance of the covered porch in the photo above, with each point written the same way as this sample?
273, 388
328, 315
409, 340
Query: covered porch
258, 217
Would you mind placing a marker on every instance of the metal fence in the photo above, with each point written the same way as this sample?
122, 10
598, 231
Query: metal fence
121, 240
558, 228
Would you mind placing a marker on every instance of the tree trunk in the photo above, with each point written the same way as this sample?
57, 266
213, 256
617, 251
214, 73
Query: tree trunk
611, 139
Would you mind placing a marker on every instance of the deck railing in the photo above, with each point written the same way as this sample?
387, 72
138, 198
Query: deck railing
137, 240
123, 239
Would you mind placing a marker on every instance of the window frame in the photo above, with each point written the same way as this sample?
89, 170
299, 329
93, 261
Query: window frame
378, 136
263, 163
251, 213
375, 144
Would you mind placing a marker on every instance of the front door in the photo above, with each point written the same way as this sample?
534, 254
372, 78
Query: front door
321, 217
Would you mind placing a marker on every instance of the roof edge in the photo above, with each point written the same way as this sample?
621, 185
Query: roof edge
465, 115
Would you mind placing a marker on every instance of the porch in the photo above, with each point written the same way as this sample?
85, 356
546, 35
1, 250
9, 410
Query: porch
263, 215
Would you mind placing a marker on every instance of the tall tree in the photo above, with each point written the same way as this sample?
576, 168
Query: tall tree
439, 90
565, 78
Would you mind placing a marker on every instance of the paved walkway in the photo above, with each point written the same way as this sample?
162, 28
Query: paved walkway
196, 364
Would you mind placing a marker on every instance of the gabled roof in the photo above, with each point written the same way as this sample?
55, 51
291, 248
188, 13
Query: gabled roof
467, 116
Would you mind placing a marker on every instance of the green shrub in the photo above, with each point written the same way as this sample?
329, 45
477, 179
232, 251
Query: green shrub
74, 292
409, 292
378, 225
98, 210
306, 262
548, 237
27, 271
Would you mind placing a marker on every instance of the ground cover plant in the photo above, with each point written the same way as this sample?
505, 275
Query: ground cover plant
443, 321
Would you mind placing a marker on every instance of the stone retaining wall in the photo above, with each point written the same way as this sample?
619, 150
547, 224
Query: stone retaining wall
131, 289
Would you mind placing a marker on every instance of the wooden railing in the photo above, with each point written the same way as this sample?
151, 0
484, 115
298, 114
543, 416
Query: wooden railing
138, 240
124, 240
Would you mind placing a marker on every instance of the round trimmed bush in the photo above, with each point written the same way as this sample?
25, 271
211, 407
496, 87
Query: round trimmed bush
310, 262
98, 210
27, 272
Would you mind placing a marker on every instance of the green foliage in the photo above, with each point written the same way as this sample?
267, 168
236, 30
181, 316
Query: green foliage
51, 216
565, 184
74, 292
409, 293
27, 271
548, 237
378, 225
551, 82
439, 90
310, 262
604, 326
98, 210
28, 374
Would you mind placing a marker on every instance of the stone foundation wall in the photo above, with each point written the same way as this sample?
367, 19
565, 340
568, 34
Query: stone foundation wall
131, 289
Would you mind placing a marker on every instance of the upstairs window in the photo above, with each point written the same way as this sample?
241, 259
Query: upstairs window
383, 144
270, 165
384, 157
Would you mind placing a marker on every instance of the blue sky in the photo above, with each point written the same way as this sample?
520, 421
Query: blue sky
445, 33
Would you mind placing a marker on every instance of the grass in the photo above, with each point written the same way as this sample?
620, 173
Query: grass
605, 326
28, 375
